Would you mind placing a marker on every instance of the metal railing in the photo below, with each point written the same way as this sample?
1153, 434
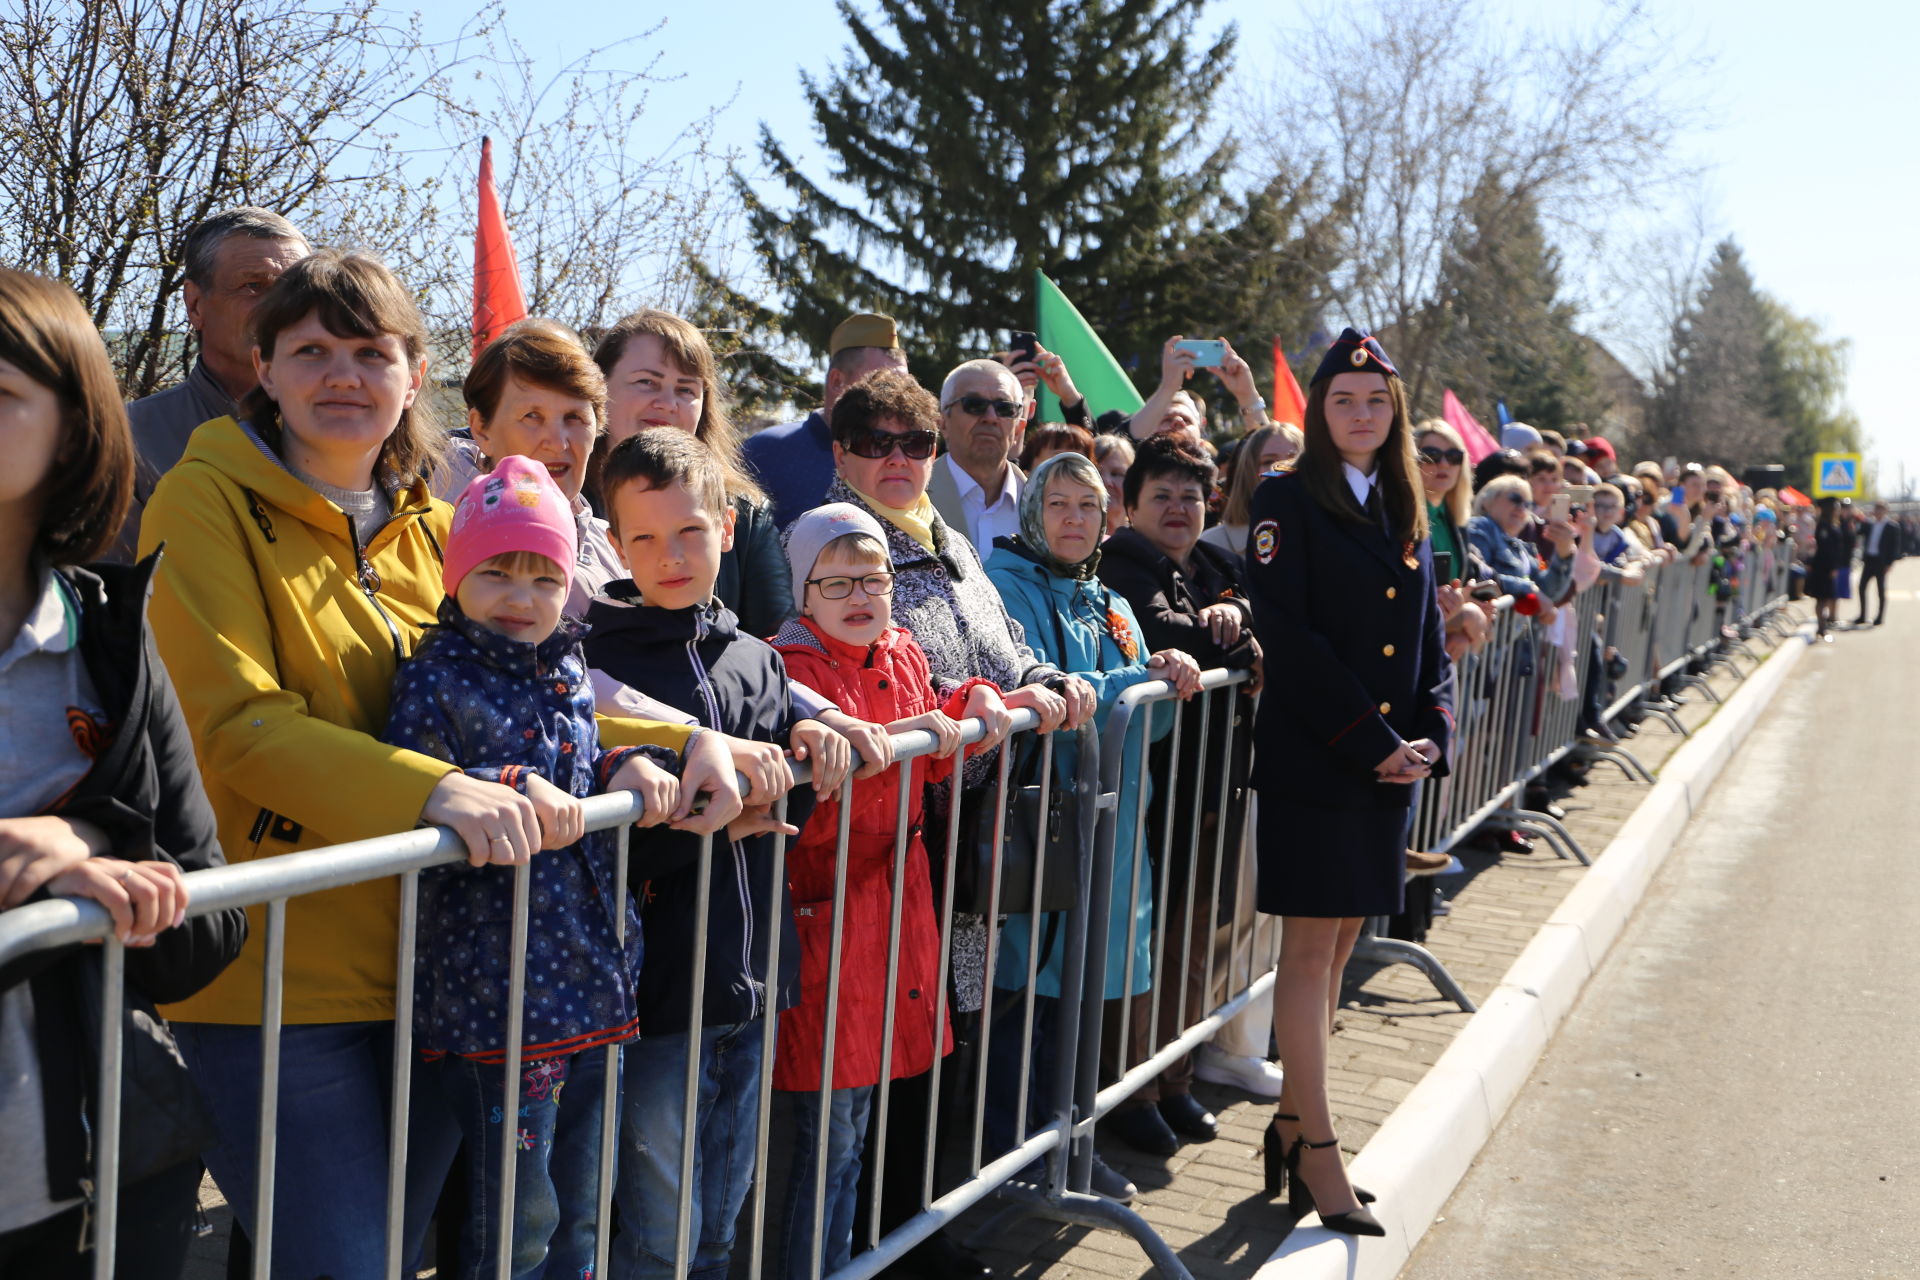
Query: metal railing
1514, 720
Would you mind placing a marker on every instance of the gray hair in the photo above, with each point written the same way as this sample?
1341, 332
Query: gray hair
206, 237
973, 366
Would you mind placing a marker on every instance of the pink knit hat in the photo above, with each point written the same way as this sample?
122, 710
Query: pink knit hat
514, 507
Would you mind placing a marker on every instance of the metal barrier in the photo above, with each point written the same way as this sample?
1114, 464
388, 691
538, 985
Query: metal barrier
1211, 955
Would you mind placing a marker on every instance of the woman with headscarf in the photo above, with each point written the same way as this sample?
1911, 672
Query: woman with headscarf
1047, 577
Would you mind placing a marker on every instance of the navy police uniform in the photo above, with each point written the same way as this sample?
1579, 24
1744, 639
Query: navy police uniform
1357, 664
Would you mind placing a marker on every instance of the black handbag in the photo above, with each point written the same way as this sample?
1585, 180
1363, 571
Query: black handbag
1027, 829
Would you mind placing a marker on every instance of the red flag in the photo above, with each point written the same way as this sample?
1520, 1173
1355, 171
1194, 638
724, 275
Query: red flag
1479, 443
1289, 405
498, 300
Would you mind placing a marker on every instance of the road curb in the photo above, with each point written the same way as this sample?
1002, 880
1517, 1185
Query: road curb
1418, 1156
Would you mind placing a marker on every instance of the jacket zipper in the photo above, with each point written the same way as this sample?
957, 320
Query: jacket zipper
369, 583
739, 854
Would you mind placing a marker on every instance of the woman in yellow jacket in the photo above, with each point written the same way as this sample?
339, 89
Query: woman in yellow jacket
303, 561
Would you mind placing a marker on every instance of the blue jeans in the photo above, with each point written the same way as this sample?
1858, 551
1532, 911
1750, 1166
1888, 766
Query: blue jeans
847, 1112
652, 1123
556, 1178
330, 1167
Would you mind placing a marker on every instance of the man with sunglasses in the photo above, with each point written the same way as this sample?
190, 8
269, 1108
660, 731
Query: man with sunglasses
975, 488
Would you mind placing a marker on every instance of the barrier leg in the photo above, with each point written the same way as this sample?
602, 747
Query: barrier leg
1547, 827
1080, 1209
1371, 946
1619, 757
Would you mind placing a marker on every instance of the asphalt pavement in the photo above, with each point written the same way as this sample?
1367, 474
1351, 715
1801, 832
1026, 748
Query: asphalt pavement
1738, 1091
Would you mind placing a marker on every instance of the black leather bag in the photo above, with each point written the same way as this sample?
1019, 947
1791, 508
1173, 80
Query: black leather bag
1026, 831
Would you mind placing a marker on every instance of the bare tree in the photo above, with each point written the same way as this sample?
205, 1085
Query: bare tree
1406, 106
134, 119
606, 205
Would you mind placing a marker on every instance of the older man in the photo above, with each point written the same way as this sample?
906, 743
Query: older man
794, 461
232, 259
983, 415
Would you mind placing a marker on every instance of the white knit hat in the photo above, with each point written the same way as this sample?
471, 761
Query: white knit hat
814, 530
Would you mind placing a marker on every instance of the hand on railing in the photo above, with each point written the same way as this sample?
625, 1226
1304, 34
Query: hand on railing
66, 858
557, 812
985, 704
758, 820
659, 791
869, 741
707, 770
1177, 668
496, 823
830, 754
944, 728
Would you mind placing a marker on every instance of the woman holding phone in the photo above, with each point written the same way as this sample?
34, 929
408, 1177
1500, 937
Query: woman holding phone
1341, 580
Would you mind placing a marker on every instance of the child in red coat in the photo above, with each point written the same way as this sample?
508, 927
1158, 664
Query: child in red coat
845, 647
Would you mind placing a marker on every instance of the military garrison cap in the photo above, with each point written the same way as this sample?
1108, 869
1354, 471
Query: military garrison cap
1354, 352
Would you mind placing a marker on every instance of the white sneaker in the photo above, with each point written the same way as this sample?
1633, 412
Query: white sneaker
1243, 1071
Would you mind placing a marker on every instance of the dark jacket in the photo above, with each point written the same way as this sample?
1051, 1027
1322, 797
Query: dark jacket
1168, 600
699, 662
144, 792
754, 581
503, 709
1354, 651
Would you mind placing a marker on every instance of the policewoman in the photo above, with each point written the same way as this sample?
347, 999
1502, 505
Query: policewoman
1340, 577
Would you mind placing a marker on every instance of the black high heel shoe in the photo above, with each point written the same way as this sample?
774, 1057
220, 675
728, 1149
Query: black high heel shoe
1273, 1152
1300, 1201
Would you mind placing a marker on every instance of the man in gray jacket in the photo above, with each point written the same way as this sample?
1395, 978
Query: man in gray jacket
232, 259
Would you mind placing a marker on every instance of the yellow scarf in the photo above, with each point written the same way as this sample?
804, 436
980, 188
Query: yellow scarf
916, 521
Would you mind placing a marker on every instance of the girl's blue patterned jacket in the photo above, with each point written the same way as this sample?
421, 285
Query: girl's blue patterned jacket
501, 709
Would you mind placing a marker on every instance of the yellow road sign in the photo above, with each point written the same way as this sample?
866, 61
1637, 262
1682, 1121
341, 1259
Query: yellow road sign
1838, 475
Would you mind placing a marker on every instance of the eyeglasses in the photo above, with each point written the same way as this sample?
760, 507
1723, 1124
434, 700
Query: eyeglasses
1434, 457
875, 443
978, 406
840, 587
1517, 499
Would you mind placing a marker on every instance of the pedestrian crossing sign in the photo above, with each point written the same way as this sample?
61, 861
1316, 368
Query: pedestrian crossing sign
1837, 475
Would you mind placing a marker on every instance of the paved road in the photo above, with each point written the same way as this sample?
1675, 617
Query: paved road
1738, 1092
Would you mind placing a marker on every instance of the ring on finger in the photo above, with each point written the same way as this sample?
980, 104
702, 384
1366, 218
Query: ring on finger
126, 875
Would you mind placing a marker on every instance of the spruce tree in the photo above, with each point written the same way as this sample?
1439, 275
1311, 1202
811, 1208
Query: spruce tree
1715, 399
1506, 330
968, 143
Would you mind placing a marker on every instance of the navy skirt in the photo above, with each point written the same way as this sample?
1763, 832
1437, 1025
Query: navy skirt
1313, 861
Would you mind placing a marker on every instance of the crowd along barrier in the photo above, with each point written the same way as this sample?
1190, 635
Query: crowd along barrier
1161, 825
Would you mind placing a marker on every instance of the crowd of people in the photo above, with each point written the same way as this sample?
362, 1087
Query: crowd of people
280, 607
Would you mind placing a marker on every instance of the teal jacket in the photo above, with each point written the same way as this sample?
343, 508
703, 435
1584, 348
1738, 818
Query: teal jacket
1066, 624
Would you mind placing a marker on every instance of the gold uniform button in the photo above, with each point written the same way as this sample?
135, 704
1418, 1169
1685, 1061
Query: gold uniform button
1391, 593
1386, 708
1386, 651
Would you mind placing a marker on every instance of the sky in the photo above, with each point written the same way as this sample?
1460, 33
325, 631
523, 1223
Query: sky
1808, 149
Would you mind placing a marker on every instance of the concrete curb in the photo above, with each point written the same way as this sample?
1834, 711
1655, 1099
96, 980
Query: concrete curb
1426, 1146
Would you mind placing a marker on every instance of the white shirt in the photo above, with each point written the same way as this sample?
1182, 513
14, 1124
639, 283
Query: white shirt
986, 521
1875, 532
1359, 481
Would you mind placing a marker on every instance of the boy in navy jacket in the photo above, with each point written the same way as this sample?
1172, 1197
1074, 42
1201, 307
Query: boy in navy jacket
662, 633
499, 688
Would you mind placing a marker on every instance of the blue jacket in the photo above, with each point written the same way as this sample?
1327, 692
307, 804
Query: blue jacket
503, 709
794, 464
697, 660
1354, 651
1514, 563
1058, 611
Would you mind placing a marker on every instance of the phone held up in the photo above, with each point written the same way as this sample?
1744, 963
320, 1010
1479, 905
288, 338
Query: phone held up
1443, 567
1023, 344
1208, 353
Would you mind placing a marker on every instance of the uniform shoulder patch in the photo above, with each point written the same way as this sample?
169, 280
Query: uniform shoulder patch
1266, 540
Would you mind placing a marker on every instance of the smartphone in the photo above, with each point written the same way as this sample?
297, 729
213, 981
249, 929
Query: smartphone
1207, 353
1488, 591
1443, 566
1561, 508
1580, 496
1024, 343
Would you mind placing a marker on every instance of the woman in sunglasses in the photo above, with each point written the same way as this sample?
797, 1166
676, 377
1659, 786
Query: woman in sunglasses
1448, 488
1504, 508
885, 434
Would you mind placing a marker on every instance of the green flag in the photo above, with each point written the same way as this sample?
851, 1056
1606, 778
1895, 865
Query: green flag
1066, 333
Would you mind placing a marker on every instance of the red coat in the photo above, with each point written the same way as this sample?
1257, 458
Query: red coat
886, 682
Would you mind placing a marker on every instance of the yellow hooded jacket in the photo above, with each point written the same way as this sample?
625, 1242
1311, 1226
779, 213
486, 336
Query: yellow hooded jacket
283, 656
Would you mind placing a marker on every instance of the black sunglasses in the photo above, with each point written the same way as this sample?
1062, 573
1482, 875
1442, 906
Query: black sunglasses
875, 443
978, 406
1434, 457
